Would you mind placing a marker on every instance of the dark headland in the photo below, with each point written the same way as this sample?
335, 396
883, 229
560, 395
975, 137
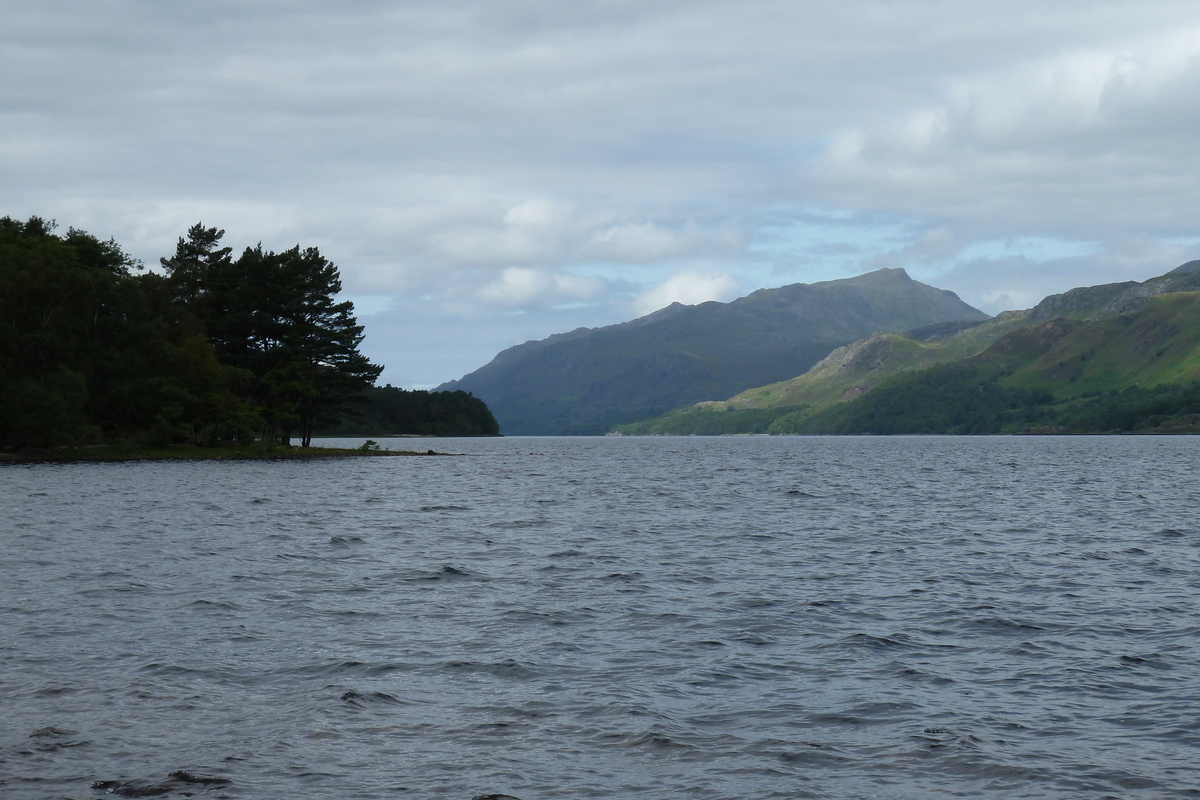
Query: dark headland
214, 356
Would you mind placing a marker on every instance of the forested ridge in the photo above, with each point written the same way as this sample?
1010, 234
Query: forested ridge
212, 350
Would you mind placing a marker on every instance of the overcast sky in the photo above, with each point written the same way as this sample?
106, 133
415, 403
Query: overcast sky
485, 173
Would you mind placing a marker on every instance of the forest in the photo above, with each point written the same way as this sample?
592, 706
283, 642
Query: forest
210, 350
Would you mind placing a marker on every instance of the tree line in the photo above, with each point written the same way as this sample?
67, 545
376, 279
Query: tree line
212, 349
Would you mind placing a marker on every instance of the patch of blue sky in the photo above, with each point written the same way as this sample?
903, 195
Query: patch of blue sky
1181, 241
630, 277
1033, 248
822, 244
367, 304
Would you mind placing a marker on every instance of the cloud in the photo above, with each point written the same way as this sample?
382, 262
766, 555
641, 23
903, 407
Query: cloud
689, 288
521, 287
486, 156
1076, 144
1015, 281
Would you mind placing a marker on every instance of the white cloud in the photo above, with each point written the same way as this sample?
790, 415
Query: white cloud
648, 243
486, 155
522, 287
687, 287
535, 213
1079, 143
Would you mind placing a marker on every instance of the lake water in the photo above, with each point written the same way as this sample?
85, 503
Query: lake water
613, 617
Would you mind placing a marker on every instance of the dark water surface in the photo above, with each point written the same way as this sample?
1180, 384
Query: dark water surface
627, 618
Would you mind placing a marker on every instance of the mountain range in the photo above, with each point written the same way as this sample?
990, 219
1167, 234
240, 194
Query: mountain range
591, 379
1088, 358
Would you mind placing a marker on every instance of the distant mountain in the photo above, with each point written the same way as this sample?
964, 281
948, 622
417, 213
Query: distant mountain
588, 380
1088, 341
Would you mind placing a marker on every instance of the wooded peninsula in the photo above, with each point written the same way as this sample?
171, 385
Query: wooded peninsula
213, 351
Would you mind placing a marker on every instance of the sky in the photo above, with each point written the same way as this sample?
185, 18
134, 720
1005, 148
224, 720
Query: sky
485, 173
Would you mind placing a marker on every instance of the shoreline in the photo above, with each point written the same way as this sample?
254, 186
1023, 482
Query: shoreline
116, 453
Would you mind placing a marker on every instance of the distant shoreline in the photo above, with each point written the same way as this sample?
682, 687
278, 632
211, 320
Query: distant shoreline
114, 453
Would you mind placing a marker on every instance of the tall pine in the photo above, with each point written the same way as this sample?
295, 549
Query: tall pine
275, 315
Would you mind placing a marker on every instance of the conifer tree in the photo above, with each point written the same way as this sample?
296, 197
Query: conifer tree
275, 315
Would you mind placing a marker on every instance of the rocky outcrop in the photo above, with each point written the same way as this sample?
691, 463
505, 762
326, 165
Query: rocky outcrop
1092, 303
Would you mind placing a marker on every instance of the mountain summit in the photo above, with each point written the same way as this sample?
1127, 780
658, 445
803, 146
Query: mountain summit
585, 381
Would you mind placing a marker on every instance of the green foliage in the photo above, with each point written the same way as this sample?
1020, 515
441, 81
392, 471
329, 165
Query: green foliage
388, 411
216, 350
966, 399
274, 316
1164, 407
949, 398
85, 350
707, 420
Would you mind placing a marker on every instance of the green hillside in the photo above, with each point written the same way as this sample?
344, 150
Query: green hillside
588, 380
1080, 343
847, 372
1138, 371
1159, 343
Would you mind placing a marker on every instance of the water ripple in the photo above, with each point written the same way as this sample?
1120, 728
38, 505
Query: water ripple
627, 618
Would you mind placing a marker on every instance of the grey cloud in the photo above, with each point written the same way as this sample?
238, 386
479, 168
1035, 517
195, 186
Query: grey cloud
1001, 284
663, 137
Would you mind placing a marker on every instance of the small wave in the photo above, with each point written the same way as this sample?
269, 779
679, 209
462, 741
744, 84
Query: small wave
177, 781
624, 576
1002, 624
815, 754
363, 699
51, 731
158, 668
444, 508
556, 618
653, 739
507, 668
51, 738
876, 642
757, 639
343, 668
216, 605
446, 573
1149, 660
659, 741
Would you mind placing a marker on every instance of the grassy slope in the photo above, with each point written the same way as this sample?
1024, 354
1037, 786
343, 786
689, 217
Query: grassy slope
1080, 354
845, 373
856, 368
1137, 371
1159, 343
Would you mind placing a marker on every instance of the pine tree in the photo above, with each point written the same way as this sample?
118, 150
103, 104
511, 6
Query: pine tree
275, 315
197, 258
